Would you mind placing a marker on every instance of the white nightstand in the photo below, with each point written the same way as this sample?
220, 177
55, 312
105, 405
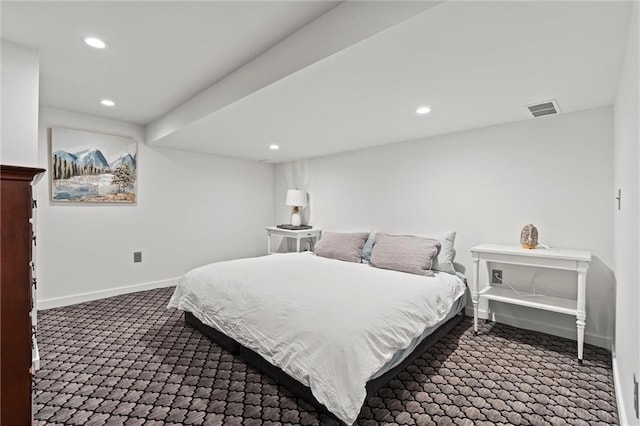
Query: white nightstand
313, 234
571, 260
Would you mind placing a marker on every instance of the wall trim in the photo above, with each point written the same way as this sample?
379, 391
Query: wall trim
617, 384
73, 299
569, 333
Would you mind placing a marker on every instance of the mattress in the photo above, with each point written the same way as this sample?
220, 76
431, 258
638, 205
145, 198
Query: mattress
331, 325
400, 356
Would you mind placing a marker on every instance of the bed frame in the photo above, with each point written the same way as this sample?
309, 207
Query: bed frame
297, 388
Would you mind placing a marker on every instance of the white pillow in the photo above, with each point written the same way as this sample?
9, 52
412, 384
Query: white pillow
443, 262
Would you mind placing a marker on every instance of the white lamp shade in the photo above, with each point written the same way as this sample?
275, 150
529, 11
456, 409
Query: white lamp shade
296, 197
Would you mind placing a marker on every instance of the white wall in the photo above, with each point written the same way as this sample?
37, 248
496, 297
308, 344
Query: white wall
554, 172
20, 96
626, 227
192, 209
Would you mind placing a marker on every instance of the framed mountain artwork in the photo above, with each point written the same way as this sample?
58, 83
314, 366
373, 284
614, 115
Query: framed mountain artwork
87, 167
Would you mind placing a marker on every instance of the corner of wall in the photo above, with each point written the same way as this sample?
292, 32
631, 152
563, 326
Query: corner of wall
20, 100
626, 354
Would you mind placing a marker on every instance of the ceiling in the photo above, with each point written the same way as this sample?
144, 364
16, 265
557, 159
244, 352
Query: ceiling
159, 54
319, 78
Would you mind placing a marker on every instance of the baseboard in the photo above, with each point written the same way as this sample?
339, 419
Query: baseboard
58, 302
569, 333
617, 384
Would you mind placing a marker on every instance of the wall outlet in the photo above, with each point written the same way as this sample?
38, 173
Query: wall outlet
635, 395
137, 256
496, 276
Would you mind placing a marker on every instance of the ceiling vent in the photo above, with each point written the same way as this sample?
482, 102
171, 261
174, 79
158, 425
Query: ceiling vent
543, 108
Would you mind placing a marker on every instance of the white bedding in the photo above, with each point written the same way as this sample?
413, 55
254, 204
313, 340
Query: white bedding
329, 324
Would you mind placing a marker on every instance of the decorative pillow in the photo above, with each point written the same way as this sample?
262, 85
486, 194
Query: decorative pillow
367, 248
443, 262
341, 246
404, 253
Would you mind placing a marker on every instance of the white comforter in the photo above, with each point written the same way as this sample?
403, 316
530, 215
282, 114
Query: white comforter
329, 324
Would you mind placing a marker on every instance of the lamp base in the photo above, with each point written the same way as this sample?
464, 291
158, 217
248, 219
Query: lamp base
296, 220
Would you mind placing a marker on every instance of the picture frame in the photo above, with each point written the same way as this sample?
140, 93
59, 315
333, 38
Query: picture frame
89, 167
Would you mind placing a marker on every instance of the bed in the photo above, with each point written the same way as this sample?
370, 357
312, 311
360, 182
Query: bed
331, 331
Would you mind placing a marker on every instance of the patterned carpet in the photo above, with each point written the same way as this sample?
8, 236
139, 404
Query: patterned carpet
130, 361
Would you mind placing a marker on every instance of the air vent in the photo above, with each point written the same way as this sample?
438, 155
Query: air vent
544, 108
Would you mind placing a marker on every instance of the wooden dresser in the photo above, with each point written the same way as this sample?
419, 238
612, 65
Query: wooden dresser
15, 294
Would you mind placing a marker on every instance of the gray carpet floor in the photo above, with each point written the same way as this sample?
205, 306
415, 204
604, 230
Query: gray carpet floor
128, 360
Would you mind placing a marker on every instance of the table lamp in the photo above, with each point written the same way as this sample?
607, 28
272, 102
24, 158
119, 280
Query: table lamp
296, 198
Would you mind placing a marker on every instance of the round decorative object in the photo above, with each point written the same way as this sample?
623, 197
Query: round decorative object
529, 237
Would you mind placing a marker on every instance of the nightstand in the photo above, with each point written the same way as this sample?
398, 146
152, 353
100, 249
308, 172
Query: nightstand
312, 234
553, 258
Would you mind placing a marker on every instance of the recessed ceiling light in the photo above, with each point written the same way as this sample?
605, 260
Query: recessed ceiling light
423, 110
274, 147
95, 42
107, 102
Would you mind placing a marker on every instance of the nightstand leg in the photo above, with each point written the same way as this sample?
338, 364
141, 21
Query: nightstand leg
268, 243
474, 293
297, 245
580, 326
581, 315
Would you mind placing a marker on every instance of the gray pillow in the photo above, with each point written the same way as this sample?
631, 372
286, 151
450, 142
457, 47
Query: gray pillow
341, 246
405, 253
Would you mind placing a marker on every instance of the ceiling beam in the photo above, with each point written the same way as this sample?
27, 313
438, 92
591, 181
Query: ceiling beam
345, 25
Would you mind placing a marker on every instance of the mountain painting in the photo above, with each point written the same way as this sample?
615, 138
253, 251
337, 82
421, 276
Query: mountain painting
88, 167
